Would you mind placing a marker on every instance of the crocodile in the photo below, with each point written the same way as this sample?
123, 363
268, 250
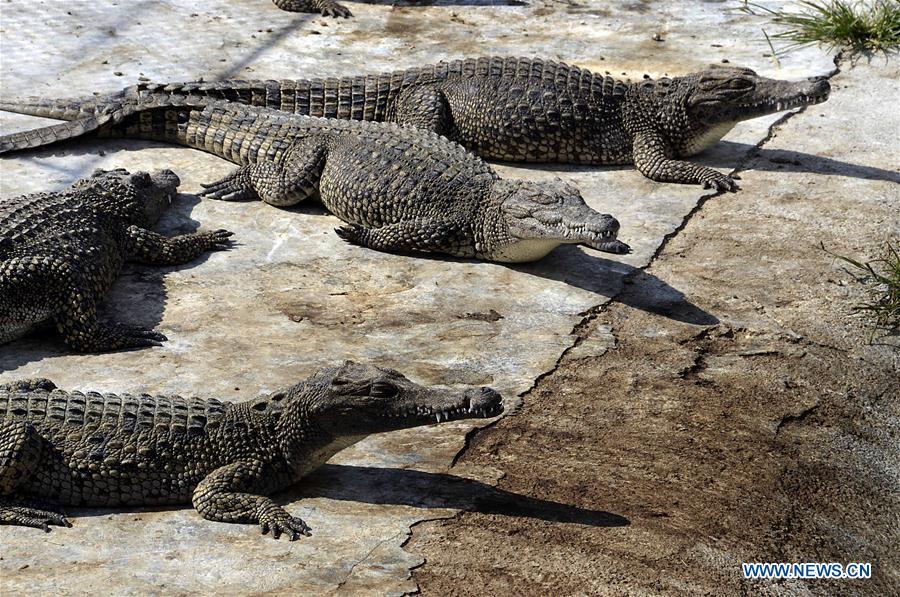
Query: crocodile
398, 188
328, 8
511, 109
60, 253
89, 449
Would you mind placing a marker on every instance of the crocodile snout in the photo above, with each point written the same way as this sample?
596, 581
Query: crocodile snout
165, 179
820, 88
486, 402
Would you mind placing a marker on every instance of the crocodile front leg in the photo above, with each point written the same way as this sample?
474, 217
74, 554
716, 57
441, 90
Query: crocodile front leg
20, 454
37, 288
411, 236
653, 159
146, 246
290, 181
226, 495
329, 8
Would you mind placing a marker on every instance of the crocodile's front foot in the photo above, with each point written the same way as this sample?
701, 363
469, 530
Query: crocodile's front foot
333, 9
278, 520
117, 336
328, 8
217, 240
23, 513
711, 179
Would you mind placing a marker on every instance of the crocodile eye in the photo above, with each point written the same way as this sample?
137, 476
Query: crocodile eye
381, 389
740, 84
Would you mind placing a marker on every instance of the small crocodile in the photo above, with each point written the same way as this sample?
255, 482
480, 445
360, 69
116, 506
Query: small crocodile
90, 449
398, 188
60, 253
512, 109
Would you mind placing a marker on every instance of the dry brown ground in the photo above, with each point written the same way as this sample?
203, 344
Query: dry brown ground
770, 436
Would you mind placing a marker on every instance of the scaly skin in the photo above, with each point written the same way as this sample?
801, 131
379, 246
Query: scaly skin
92, 449
328, 8
398, 188
512, 109
60, 253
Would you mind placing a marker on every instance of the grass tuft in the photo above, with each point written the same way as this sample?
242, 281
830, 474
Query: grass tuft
881, 277
860, 27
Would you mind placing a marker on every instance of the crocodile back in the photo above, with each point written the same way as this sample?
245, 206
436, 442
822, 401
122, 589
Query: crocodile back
67, 413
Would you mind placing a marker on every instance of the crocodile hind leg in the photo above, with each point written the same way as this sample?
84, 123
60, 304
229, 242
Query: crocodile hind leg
146, 246
412, 236
424, 108
20, 455
290, 181
227, 495
328, 8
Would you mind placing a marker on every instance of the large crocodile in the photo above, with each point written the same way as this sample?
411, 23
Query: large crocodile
398, 188
514, 109
60, 252
108, 450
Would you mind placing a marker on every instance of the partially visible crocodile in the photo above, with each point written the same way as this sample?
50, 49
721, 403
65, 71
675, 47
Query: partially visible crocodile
514, 109
328, 8
108, 450
398, 188
60, 253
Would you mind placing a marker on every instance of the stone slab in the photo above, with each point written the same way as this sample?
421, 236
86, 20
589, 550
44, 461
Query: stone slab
292, 297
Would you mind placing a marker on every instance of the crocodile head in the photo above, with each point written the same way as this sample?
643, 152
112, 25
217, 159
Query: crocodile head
533, 218
150, 193
697, 110
731, 94
356, 400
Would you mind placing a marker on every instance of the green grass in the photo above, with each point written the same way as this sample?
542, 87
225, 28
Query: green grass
860, 27
881, 277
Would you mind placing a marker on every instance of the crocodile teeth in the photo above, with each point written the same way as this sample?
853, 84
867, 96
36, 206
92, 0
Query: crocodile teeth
438, 417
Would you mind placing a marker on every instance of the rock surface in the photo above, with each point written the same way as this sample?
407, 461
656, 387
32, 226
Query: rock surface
773, 436
292, 297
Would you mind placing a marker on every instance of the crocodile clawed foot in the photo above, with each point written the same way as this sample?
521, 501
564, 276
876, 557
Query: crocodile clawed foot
720, 182
28, 516
279, 521
333, 9
234, 187
352, 233
119, 336
217, 240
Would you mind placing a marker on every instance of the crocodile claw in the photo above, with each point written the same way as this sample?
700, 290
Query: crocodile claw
352, 233
333, 9
282, 522
218, 240
719, 182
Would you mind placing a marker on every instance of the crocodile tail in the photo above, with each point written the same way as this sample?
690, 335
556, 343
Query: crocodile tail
59, 132
68, 108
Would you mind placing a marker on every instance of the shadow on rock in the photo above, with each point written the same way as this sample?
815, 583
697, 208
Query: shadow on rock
779, 160
403, 487
609, 278
137, 297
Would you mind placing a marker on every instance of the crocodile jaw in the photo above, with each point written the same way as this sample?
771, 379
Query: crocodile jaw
523, 250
